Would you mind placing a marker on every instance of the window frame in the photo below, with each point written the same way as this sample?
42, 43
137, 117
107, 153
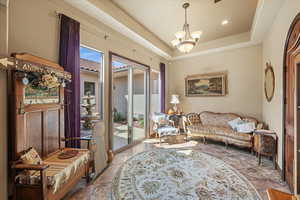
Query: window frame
101, 80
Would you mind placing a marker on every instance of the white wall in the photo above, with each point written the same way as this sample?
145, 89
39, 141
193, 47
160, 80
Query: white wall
273, 49
244, 81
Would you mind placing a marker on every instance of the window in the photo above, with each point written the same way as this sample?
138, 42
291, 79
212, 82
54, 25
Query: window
91, 77
89, 88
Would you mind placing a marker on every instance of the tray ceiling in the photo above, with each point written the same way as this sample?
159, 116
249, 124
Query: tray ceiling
165, 17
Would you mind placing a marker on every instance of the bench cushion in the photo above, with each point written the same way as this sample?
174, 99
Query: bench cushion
59, 171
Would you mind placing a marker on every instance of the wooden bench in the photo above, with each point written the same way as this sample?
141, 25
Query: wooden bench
38, 125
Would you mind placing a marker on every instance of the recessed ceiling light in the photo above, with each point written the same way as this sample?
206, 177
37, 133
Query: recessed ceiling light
224, 22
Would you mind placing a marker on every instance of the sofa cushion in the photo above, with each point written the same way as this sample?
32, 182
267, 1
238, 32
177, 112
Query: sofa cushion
217, 119
250, 119
199, 129
234, 123
246, 127
193, 118
219, 131
228, 132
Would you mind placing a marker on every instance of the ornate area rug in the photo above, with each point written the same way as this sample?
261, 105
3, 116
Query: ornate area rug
176, 174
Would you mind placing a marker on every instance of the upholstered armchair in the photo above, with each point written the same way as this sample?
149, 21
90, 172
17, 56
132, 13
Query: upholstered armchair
163, 126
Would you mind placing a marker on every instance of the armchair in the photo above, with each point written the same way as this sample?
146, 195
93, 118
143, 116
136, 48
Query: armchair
163, 126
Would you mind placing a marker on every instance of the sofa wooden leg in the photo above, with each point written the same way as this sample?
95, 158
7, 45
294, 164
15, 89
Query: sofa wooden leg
87, 173
226, 144
259, 159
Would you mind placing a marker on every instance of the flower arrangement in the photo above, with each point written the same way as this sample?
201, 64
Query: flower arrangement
49, 81
42, 81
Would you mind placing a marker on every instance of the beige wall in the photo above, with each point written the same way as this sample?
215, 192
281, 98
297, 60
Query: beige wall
273, 47
3, 102
34, 28
244, 81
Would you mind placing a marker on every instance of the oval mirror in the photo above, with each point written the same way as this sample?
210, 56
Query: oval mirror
269, 82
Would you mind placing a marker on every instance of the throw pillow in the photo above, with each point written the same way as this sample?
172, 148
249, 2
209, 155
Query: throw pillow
31, 157
233, 123
247, 127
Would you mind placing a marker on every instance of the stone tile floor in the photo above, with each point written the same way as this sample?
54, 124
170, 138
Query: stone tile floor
262, 177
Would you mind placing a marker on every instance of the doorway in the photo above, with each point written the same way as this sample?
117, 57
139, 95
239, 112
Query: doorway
129, 102
291, 76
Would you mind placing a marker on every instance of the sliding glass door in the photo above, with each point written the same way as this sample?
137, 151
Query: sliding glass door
129, 102
120, 109
139, 103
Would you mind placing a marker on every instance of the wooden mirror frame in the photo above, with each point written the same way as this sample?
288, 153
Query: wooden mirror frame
269, 69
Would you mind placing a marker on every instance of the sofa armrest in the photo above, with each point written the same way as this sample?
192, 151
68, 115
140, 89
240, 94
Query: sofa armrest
260, 125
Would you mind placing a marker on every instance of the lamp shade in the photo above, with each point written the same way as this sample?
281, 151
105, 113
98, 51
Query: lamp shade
175, 99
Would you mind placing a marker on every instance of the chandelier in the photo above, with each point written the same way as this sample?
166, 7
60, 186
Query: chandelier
185, 40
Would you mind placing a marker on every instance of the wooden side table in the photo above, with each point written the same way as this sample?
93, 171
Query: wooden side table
178, 121
265, 143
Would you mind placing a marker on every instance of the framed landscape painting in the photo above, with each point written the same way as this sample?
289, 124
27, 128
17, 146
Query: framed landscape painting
206, 85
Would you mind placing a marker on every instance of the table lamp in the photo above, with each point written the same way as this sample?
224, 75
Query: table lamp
175, 101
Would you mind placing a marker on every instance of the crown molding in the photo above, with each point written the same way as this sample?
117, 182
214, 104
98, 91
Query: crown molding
111, 15
217, 50
108, 13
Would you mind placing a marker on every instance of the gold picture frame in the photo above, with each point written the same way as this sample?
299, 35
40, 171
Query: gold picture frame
206, 85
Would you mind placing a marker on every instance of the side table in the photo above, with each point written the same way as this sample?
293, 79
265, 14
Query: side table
178, 121
265, 143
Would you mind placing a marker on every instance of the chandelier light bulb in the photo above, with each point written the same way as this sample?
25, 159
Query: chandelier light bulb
180, 34
225, 22
175, 42
196, 35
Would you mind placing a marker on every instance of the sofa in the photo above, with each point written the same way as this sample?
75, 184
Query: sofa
215, 126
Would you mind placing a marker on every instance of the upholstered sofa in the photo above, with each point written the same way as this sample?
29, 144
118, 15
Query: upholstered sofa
215, 126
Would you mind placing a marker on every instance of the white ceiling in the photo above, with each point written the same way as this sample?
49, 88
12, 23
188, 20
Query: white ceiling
165, 17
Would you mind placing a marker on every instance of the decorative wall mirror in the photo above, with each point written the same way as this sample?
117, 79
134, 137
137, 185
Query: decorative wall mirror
269, 82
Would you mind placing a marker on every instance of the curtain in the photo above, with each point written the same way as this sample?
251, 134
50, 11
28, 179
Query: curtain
69, 58
163, 87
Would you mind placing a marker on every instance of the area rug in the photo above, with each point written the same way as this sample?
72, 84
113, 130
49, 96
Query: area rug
176, 174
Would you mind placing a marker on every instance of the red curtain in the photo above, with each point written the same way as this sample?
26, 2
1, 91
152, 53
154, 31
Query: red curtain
163, 88
69, 58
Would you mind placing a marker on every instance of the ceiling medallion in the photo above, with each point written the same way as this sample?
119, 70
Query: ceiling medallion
186, 40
